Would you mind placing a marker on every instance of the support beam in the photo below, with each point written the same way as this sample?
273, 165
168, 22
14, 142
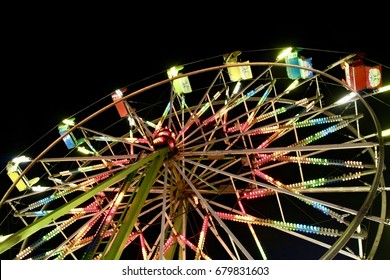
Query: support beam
27, 231
117, 246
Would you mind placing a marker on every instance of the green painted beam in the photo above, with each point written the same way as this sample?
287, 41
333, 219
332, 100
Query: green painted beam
117, 246
178, 224
64, 209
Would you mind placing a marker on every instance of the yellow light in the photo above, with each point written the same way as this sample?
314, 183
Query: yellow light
292, 86
237, 87
386, 132
346, 98
119, 93
39, 188
383, 89
84, 150
68, 122
21, 159
284, 53
174, 71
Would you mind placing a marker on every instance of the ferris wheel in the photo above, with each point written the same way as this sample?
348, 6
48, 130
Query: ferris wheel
248, 155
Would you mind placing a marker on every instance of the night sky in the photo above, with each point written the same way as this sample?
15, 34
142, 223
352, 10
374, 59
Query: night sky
56, 63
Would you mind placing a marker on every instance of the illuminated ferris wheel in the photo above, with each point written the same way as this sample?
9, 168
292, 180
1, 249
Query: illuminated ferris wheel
236, 157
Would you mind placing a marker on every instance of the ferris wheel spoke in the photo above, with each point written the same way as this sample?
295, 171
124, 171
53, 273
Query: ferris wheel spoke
209, 208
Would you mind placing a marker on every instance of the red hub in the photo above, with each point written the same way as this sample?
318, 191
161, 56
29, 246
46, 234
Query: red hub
165, 137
